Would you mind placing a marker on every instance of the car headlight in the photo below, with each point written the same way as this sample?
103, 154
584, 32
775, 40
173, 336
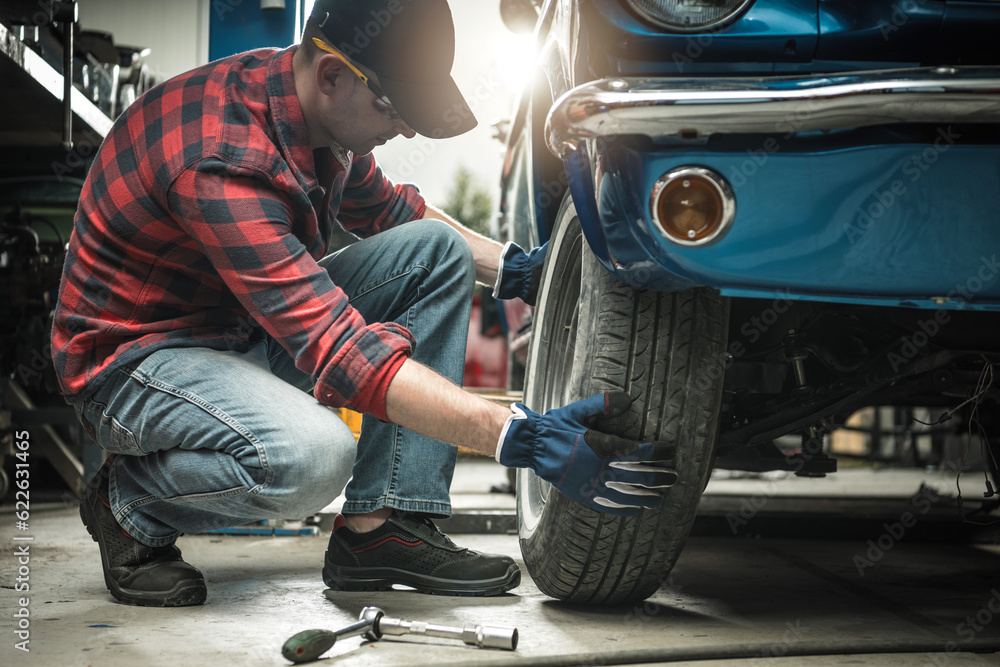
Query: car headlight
688, 15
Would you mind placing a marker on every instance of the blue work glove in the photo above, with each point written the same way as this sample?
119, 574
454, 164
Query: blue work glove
601, 470
520, 273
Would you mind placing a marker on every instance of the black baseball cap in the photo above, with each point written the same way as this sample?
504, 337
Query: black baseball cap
410, 45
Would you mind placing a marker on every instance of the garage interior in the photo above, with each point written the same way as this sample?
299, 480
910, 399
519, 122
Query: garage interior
892, 560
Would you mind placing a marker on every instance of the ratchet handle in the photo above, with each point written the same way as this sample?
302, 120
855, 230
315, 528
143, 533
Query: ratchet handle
308, 645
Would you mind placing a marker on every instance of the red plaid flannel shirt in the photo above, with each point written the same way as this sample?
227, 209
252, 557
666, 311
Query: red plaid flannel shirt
200, 224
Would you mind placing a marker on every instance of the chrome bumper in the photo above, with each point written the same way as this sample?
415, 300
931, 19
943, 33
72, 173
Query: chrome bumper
691, 108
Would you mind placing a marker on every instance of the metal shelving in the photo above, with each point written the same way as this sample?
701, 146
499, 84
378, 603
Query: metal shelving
31, 112
32, 122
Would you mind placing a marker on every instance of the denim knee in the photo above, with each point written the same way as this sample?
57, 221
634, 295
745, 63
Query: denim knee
449, 249
311, 472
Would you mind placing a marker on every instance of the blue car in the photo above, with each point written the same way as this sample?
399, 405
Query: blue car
761, 217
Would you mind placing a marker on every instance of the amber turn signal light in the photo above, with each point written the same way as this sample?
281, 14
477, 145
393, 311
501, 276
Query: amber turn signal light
692, 205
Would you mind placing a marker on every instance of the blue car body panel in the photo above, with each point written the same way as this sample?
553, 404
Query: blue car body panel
896, 223
784, 35
905, 224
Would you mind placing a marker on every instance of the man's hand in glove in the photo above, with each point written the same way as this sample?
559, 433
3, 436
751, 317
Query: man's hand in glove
601, 470
520, 273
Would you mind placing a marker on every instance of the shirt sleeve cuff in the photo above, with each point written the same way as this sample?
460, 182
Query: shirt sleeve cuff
359, 376
371, 398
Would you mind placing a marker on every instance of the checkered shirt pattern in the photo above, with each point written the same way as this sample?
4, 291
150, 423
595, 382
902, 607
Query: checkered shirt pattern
200, 224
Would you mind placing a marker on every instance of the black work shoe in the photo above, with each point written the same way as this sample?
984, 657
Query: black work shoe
408, 549
135, 573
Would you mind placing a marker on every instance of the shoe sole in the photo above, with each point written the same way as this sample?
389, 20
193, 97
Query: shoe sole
183, 594
382, 579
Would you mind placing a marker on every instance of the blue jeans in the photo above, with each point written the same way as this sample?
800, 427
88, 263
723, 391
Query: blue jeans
211, 439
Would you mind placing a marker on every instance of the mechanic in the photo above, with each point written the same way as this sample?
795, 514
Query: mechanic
203, 331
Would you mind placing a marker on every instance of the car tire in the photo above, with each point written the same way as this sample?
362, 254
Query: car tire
593, 333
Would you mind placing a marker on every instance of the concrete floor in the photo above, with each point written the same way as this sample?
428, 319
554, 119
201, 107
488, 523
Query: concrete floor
729, 601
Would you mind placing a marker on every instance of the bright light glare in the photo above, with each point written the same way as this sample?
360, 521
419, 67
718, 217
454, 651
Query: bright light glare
514, 61
300, 19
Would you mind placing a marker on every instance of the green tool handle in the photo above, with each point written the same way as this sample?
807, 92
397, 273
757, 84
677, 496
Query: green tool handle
308, 645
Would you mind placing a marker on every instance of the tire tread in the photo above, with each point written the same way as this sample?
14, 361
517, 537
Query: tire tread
655, 346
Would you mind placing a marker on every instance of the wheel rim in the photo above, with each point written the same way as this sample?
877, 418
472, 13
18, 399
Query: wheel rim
552, 359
